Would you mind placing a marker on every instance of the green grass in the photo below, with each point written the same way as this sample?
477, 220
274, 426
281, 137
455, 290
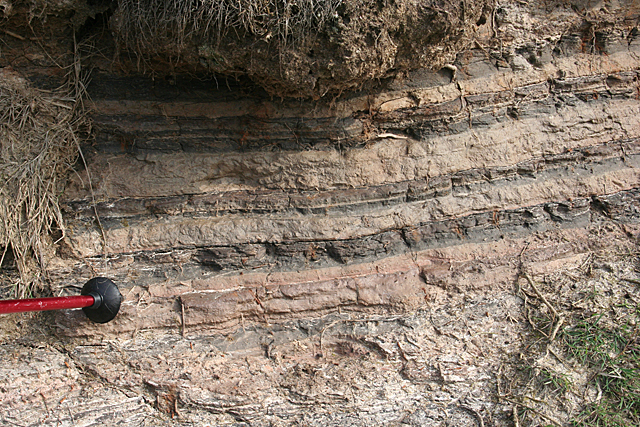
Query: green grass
613, 352
556, 381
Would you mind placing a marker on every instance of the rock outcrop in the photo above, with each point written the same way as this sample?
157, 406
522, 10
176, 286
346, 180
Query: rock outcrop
221, 204
422, 155
211, 198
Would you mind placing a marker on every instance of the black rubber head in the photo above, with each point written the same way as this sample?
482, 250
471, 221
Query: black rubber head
107, 297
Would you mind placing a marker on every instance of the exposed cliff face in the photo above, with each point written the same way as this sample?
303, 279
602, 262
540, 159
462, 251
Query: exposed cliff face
455, 145
235, 191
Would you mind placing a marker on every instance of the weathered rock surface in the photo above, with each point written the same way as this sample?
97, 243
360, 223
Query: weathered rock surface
344, 260
209, 226
438, 364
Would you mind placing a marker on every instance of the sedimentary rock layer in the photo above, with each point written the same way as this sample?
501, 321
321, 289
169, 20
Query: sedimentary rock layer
245, 209
390, 253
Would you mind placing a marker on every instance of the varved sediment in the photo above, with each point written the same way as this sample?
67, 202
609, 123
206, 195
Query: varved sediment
245, 209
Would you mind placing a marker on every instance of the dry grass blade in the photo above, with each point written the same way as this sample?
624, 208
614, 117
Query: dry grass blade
38, 144
558, 318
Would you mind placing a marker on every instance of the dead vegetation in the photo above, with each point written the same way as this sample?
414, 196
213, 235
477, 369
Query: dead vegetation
39, 143
580, 363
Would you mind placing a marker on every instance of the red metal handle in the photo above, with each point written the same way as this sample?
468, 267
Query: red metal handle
43, 304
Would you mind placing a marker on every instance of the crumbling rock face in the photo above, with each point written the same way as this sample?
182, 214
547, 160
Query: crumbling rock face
224, 218
255, 238
205, 190
305, 48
